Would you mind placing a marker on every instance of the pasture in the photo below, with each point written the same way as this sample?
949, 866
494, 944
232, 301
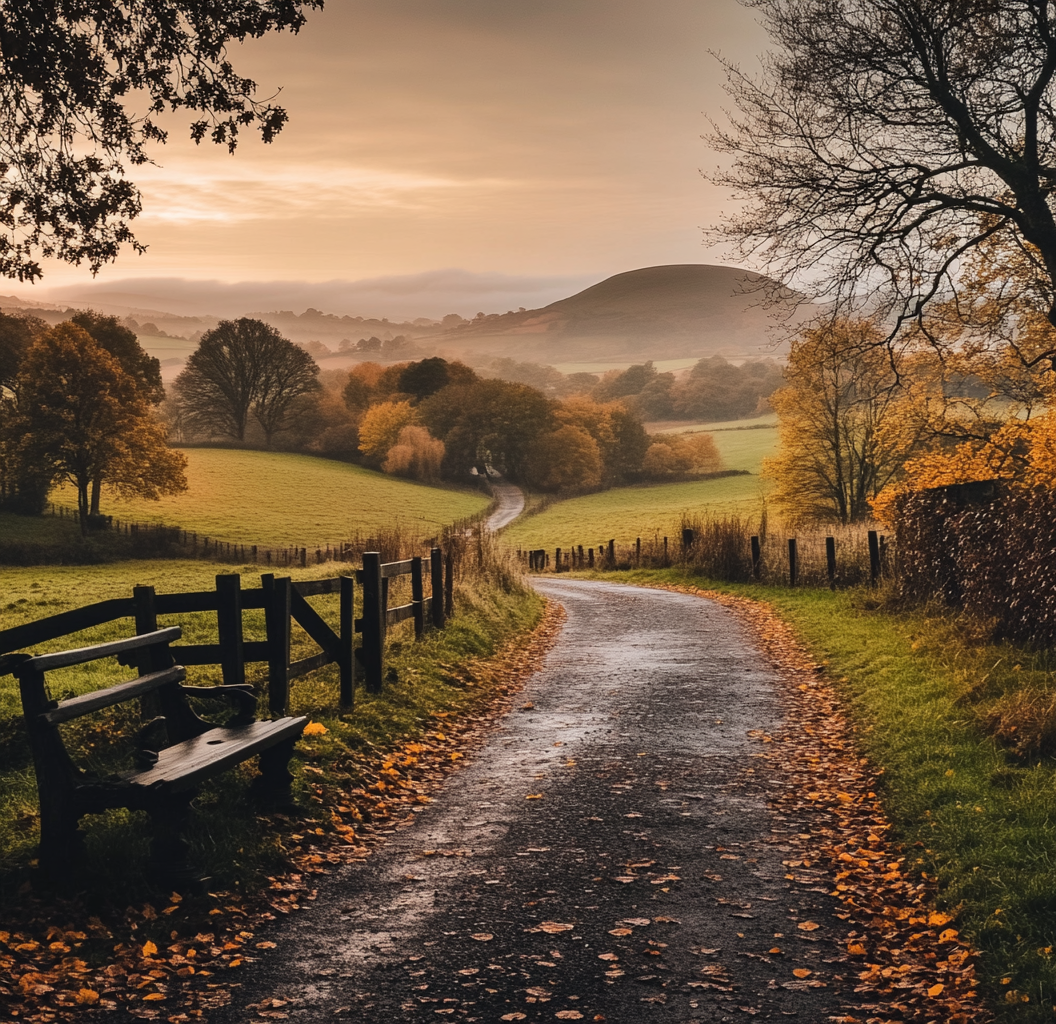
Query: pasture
278, 499
624, 513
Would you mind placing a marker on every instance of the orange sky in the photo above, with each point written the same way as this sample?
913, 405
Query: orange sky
536, 138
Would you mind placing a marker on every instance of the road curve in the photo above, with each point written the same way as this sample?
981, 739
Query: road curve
607, 855
510, 504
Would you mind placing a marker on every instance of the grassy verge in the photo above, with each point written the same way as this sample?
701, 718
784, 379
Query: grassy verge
932, 703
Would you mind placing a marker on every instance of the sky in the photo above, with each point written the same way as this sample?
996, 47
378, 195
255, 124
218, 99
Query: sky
442, 154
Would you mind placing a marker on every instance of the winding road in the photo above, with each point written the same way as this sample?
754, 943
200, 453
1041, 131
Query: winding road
510, 504
608, 854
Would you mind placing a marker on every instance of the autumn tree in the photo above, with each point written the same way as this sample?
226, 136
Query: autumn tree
124, 346
24, 490
80, 418
82, 88
676, 456
565, 458
834, 453
381, 425
885, 140
415, 454
243, 367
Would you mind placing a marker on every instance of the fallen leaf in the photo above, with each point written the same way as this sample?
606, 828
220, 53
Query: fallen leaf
315, 729
568, 1015
620, 931
937, 920
149, 949
935, 990
483, 936
513, 1016
624, 878
553, 927
808, 926
153, 997
87, 996
534, 796
470, 970
608, 956
802, 972
638, 922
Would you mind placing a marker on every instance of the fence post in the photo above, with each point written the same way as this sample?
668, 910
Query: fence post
347, 630
557, 560
304, 557
278, 621
436, 578
449, 584
638, 552
666, 562
590, 558
687, 539
373, 621
146, 622
793, 568
229, 627
418, 597
612, 554
830, 560
874, 558
757, 555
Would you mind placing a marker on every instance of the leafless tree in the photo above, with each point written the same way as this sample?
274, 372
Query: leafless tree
884, 139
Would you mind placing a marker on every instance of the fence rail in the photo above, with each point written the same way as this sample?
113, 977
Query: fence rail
284, 602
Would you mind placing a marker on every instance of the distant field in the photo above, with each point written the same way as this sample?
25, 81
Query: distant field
624, 513
278, 499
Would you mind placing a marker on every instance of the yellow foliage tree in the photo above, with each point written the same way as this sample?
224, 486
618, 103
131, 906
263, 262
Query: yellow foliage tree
676, 455
564, 458
836, 449
380, 427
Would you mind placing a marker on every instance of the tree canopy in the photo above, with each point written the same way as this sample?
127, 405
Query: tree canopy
82, 86
885, 139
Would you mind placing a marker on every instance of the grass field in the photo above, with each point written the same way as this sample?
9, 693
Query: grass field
279, 499
624, 513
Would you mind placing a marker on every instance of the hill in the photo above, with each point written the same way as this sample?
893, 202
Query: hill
669, 312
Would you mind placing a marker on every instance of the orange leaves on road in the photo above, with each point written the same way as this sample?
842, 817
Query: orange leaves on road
534, 796
482, 936
552, 927
315, 729
802, 972
808, 926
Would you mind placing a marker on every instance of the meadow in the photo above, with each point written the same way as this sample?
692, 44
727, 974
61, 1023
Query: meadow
278, 499
624, 513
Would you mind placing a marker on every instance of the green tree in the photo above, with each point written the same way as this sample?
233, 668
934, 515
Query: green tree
81, 417
82, 87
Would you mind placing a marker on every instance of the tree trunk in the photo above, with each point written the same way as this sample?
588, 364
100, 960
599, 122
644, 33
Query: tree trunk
83, 504
97, 487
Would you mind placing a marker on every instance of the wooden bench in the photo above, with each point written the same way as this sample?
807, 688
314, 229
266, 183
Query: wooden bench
176, 750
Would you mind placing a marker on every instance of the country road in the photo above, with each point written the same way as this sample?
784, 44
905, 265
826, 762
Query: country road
608, 854
510, 504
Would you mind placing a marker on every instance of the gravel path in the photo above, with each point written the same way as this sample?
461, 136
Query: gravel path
607, 855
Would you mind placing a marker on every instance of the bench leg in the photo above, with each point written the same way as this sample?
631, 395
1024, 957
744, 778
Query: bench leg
275, 778
61, 841
169, 847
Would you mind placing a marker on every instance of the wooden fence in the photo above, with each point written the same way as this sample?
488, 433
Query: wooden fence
283, 602
657, 553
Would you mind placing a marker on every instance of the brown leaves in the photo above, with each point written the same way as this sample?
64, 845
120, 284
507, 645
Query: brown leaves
552, 927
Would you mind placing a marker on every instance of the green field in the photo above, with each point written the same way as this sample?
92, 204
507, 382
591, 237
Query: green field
624, 513
279, 499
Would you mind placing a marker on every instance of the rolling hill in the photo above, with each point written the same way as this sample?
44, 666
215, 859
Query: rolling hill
669, 312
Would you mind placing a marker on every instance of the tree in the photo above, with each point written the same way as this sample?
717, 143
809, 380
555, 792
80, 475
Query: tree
885, 140
565, 458
415, 454
427, 376
834, 454
82, 86
25, 490
241, 367
81, 417
381, 426
124, 346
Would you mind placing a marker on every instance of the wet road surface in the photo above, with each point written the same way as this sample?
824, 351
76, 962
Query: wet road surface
607, 855
510, 504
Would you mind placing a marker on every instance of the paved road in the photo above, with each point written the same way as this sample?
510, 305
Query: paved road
609, 853
511, 504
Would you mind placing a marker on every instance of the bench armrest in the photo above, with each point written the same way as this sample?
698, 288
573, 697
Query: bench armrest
42, 663
243, 695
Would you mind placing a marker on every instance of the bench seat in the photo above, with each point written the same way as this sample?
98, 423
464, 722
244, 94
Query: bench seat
183, 765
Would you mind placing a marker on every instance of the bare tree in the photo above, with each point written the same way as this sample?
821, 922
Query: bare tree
241, 367
884, 139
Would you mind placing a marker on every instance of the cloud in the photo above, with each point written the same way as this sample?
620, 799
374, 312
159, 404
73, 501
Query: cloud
431, 294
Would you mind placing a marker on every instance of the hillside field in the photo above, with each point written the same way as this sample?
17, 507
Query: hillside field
625, 513
279, 499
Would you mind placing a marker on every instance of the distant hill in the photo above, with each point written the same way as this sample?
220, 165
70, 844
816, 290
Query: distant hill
669, 312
